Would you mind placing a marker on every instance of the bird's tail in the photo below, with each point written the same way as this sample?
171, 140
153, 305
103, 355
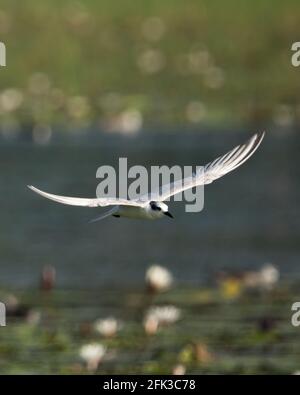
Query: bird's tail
104, 215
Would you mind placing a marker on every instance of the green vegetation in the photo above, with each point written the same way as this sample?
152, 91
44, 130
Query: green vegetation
168, 61
250, 333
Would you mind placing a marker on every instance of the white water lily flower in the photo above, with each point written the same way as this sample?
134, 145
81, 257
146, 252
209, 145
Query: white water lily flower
107, 327
179, 370
265, 278
92, 354
158, 278
269, 276
150, 325
162, 315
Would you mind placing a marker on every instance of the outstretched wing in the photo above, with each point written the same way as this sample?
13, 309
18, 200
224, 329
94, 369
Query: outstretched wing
213, 170
96, 202
205, 175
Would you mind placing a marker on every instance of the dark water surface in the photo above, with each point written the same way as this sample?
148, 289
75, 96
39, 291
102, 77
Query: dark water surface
251, 216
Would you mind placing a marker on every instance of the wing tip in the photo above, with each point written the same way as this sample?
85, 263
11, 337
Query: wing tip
34, 189
261, 135
258, 138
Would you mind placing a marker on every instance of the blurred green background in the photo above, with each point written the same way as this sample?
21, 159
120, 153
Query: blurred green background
186, 81
160, 62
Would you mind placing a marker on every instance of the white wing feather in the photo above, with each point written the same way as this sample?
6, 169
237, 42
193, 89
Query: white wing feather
84, 202
212, 171
205, 175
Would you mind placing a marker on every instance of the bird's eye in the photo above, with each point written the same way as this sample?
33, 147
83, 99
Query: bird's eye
154, 206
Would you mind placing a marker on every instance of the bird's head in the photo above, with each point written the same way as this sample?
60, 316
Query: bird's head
160, 209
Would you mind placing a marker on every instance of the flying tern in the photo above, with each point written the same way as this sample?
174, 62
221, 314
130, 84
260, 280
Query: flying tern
152, 206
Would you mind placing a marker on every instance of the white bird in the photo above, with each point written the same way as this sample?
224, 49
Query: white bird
152, 206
